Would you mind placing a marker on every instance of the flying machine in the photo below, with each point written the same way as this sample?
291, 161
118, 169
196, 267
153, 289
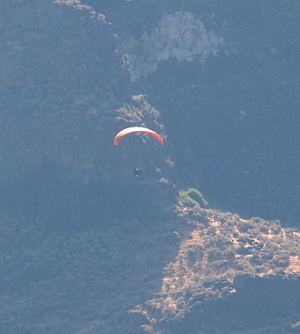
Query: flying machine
137, 172
134, 129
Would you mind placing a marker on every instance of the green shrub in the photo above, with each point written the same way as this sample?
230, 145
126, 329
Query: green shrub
191, 197
228, 254
214, 255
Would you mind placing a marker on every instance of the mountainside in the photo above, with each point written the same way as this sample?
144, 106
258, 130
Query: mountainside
87, 246
230, 274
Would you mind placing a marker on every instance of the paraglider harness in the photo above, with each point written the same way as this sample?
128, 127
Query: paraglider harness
137, 172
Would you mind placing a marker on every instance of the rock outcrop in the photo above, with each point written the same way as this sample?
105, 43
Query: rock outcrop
181, 35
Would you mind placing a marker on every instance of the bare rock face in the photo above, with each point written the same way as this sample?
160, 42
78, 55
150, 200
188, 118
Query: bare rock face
181, 35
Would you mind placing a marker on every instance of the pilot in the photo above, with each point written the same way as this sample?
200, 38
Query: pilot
137, 172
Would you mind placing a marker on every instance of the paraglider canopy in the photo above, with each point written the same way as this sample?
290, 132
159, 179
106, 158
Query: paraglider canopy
133, 129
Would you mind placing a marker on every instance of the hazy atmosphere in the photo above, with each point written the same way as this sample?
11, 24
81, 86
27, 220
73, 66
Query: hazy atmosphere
188, 225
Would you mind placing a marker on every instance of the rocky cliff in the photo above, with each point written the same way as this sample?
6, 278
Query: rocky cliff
181, 36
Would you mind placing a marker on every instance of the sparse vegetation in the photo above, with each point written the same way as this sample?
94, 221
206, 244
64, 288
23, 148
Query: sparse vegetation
139, 112
215, 253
